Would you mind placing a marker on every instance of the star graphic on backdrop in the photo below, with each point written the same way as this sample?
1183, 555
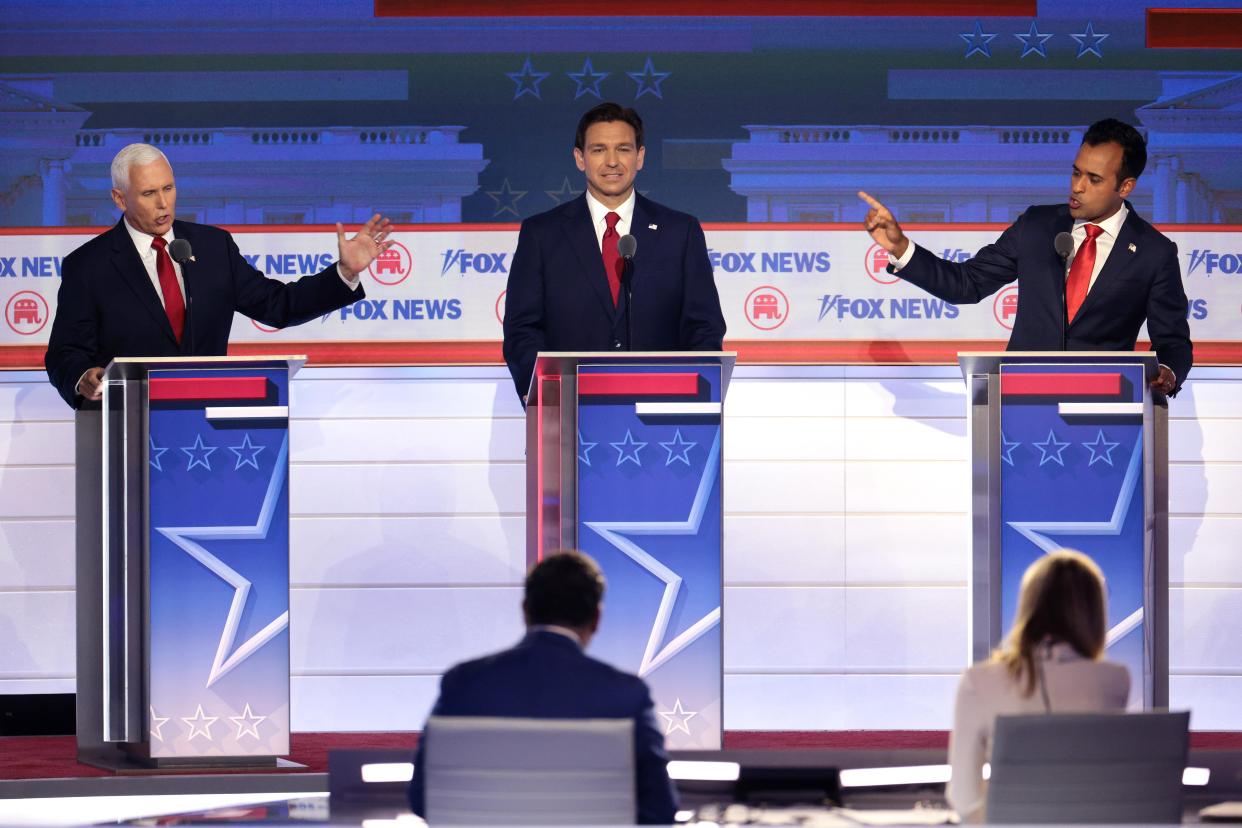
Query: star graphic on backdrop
677, 719
527, 81
1038, 531
977, 41
628, 449
247, 723
649, 80
1089, 42
226, 657
247, 453
565, 193
157, 725
156, 454
1101, 449
584, 449
1007, 447
614, 532
1033, 42
199, 724
1050, 450
506, 199
678, 449
588, 80
198, 453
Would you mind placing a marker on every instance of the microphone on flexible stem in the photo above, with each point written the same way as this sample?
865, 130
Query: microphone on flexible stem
182, 254
1064, 245
627, 246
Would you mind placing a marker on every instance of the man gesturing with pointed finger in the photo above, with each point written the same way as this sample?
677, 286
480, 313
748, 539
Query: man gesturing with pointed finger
1120, 272
123, 294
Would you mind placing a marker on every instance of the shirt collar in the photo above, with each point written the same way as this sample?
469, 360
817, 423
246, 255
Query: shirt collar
599, 211
142, 240
553, 628
1110, 225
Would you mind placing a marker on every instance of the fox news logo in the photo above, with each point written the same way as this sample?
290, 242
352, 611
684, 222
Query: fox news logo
1212, 262
462, 261
845, 307
775, 261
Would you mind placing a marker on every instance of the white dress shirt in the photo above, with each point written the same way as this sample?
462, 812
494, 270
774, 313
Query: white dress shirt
599, 217
987, 690
142, 242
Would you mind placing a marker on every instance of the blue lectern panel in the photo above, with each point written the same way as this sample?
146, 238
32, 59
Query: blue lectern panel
649, 510
219, 563
1072, 476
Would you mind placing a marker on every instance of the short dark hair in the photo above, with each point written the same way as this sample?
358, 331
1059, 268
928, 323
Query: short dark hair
605, 113
565, 589
1133, 147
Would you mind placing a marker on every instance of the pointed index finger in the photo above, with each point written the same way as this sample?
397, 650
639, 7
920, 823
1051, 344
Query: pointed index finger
870, 201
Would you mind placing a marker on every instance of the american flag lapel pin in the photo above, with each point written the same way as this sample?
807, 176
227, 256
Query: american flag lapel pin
653, 227
1133, 249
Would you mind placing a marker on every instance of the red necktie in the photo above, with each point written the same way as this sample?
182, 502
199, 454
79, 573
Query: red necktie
174, 302
612, 257
1080, 272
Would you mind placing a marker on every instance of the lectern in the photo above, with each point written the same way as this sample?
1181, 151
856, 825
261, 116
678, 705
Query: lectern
623, 461
183, 564
1070, 449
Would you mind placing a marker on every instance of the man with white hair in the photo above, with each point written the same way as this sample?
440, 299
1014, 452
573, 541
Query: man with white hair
123, 295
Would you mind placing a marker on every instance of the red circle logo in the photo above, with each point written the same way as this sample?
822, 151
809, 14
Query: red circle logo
26, 313
262, 327
392, 266
500, 307
1005, 307
877, 266
766, 308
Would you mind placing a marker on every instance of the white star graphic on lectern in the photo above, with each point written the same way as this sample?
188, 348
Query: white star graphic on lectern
614, 531
628, 449
677, 719
247, 453
199, 723
678, 449
1051, 449
247, 723
157, 724
226, 657
199, 454
156, 454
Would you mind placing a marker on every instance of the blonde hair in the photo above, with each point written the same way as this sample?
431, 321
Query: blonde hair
1061, 600
131, 154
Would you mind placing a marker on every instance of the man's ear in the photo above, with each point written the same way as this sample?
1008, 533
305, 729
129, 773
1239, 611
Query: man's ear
118, 198
580, 159
1127, 187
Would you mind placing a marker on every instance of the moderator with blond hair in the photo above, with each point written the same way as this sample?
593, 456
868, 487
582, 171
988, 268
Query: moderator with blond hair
1052, 661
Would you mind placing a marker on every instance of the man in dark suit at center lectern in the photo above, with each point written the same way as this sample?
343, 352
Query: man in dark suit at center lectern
549, 676
1089, 271
565, 284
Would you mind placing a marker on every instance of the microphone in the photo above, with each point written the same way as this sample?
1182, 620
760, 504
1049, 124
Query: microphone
1064, 245
182, 253
627, 246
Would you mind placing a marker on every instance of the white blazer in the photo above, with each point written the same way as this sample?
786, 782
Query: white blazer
1074, 685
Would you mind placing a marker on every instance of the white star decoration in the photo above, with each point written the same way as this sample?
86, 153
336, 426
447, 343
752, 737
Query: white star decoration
199, 453
247, 453
678, 449
226, 657
157, 725
200, 725
247, 723
677, 719
628, 449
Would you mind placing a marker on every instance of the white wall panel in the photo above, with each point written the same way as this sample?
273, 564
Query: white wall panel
462, 439
383, 631
1210, 392
916, 486
775, 392
1205, 488
812, 487
1195, 440
839, 702
22, 687
385, 489
907, 549
36, 491
898, 396
36, 554
786, 438
1211, 700
360, 703
26, 443
899, 702
36, 634
905, 439
403, 392
357, 551
801, 549
1206, 550
905, 629
1205, 629
782, 629
28, 396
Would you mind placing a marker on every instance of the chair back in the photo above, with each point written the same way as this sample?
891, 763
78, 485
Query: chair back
510, 771
1088, 768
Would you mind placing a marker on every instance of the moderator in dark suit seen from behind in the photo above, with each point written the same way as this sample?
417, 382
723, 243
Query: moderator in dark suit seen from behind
111, 305
1135, 276
549, 676
561, 296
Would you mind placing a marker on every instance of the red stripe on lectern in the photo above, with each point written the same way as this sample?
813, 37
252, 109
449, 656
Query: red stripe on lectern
1194, 28
703, 8
637, 385
1083, 385
208, 388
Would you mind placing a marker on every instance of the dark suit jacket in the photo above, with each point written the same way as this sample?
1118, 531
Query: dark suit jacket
1138, 284
107, 306
558, 297
547, 676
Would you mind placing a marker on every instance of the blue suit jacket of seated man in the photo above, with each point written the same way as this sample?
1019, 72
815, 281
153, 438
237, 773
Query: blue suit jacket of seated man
548, 676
